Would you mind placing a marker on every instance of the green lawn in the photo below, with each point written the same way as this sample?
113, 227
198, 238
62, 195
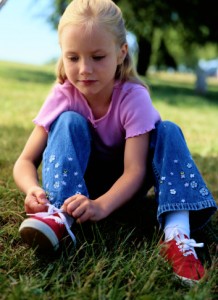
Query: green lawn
112, 260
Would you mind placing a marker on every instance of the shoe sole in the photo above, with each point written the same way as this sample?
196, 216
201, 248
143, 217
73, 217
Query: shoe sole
186, 281
38, 235
183, 280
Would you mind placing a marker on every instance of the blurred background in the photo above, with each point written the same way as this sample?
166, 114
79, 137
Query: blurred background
172, 36
25, 34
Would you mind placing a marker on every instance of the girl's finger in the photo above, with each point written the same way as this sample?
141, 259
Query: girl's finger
70, 208
86, 216
79, 211
41, 197
70, 199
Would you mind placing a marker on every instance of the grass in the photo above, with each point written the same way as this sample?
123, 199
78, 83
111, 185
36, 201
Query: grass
113, 260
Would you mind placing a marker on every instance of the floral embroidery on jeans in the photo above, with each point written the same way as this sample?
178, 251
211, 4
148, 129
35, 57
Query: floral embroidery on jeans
56, 184
182, 174
51, 158
189, 165
65, 173
193, 184
204, 192
172, 191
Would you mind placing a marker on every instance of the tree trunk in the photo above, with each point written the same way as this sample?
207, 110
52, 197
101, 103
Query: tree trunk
144, 55
2, 3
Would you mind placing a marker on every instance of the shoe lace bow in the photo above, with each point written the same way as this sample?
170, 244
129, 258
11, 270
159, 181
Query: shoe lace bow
186, 246
60, 219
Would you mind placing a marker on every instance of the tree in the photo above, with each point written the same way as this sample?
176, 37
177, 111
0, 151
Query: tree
2, 2
190, 21
143, 18
58, 8
193, 21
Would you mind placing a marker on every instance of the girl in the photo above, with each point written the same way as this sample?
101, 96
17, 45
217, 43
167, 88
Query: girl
101, 141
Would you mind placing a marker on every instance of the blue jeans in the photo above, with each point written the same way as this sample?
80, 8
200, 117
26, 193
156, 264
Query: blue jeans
72, 165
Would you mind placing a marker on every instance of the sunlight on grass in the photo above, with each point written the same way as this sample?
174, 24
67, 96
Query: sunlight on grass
195, 114
113, 260
23, 90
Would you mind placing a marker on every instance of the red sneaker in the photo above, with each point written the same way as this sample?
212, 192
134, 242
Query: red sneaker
180, 253
44, 231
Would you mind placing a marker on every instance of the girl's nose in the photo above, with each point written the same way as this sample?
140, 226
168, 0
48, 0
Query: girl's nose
85, 67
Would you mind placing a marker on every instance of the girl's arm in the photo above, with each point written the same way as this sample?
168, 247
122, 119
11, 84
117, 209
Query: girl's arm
135, 160
25, 171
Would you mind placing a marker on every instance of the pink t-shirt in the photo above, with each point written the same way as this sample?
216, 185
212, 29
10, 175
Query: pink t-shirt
130, 113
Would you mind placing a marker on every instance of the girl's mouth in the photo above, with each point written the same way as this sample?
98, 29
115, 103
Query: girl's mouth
87, 82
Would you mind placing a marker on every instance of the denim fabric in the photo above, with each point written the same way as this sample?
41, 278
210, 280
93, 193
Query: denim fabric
71, 166
66, 157
178, 183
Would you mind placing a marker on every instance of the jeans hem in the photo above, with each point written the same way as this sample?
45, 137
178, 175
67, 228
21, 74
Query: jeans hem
185, 206
208, 205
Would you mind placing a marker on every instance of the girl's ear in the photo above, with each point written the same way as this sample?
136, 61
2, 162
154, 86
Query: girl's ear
122, 53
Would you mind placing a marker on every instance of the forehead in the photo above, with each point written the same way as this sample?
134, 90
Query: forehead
80, 36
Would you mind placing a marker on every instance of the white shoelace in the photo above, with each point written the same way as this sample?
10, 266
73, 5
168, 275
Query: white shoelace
60, 219
185, 245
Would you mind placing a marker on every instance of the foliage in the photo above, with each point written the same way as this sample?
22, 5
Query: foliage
113, 259
166, 30
174, 28
195, 21
58, 9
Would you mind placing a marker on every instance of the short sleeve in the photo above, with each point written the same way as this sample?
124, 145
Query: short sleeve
56, 103
138, 115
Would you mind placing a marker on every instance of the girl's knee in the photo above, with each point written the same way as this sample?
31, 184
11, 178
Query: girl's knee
71, 116
71, 119
168, 127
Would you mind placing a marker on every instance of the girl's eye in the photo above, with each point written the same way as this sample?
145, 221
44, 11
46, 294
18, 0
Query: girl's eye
98, 57
74, 58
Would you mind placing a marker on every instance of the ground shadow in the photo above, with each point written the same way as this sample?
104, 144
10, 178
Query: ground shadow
173, 95
28, 74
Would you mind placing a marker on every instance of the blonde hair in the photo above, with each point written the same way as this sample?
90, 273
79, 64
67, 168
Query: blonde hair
105, 13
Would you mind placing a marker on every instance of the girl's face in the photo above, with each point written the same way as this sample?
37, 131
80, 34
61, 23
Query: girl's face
90, 60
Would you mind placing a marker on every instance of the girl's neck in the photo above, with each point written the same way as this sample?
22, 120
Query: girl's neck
100, 103
98, 107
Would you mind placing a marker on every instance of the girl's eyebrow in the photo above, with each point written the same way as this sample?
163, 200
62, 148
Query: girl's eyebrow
92, 52
70, 52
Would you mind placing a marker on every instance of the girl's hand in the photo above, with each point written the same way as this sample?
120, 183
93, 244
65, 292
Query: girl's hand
83, 209
35, 200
